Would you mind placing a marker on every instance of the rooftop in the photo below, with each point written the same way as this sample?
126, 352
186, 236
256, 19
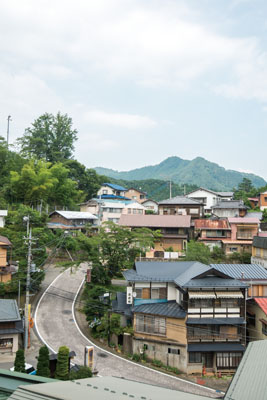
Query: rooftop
239, 271
74, 214
156, 221
230, 204
215, 282
243, 220
222, 194
168, 309
262, 303
4, 240
180, 200
115, 187
9, 311
212, 224
260, 242
113, 197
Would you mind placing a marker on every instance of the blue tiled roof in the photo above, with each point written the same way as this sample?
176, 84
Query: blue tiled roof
116, 187
168, 309
245, 271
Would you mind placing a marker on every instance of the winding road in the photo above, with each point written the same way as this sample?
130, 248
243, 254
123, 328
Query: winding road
56, 325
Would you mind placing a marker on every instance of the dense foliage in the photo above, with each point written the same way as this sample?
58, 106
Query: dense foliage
43, 362
62, 368
19, 364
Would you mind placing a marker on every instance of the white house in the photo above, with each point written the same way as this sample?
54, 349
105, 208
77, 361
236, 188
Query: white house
151, 205
209, 197
3, 214
134, 208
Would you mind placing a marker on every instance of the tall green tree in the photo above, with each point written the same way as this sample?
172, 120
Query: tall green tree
51, 137
43, 362
62, 368
19, 363
197, 251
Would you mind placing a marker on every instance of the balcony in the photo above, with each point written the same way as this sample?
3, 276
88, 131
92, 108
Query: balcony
217, 337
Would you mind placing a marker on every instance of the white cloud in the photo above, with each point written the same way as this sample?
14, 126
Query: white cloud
129, 121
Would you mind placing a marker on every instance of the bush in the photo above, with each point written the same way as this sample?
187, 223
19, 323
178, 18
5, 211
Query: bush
136, 357
157, 363
62, 368
19, 365
43, 362
82, 373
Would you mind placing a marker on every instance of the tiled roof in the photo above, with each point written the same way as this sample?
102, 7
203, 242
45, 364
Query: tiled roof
5, 240
230, 204
212, 224
225, 194
113, 197
9, 310
215, 282
180, 200
74, 214
245, 271
156, 221
120, 304
260, 242
169, 309
115, 187
262, 302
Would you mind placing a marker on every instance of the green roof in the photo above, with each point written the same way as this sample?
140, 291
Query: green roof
100, 389
250, 380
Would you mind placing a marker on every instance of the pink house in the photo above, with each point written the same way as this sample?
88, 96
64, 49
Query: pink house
243, 230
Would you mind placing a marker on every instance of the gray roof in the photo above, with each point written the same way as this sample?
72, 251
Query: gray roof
250, 380
74, 214
215, 321
17, 329
103, 388
254, 215
225, 194
9, 311
180, 200
179, 272
215, 282
245, 271
167, 309
260, 242
120, 304
230, 204
224, 346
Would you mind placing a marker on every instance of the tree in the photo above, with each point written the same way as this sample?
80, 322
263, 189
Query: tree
50, 137
87, 179
43, 362
197, 251
245, 185
82, 373
20, 361
62, 368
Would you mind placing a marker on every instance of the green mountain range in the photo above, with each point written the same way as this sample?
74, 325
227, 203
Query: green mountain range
198, 171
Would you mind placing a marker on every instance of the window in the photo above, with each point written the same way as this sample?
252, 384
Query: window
217, 233
233, 249
201, 303
105, 191
229, 303
264, 327
228, 360
129, 210
244, 233
7, 342
195, 357
150, 324
173, 351
138, 293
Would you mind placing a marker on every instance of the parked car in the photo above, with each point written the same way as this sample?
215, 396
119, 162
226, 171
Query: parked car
28, 368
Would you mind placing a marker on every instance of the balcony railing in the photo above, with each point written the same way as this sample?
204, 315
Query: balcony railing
222, 337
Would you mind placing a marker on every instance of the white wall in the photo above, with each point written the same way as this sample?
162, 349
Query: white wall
211, 198
171, 292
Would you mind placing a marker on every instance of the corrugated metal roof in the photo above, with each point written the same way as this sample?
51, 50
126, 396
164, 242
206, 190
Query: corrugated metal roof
254, 215
195, 269
224, 346
245, 271
215, 321
260, 242
114, 186
17, 329
5, 240
180, 200
74, 214
229, 204
169, 309
215, 282
249, 381
243, 220
9, 311
262, 302
156, 221
212, 224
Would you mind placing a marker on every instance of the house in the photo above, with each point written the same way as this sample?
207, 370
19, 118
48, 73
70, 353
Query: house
181, 205
254, 201
11, 326
3, 214
151, 206
5, 259
259, 250
254, 274
263, 201
175, 229
106, 210
209, 197
242, 232
112, 192
71, 220
134, 208
136, 195
257, 318
229, 209
212, 231
188, 315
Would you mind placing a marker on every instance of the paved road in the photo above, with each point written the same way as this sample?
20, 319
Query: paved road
56, 326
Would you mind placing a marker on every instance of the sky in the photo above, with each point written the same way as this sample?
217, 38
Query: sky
142, 80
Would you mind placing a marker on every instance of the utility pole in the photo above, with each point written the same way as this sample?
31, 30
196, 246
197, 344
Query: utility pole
7, 133
170, 189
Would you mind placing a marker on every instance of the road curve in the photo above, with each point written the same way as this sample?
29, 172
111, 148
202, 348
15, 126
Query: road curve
56, 326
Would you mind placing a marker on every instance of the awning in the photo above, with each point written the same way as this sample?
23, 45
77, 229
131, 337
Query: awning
205, 347
236, 295
215, 321
201, 295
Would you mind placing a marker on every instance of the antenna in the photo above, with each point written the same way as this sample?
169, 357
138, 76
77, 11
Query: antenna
170, 189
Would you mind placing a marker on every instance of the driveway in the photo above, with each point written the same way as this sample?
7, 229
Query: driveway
56, 325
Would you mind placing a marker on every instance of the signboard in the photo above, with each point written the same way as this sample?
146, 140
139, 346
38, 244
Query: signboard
88, 276
89, 356
129, 296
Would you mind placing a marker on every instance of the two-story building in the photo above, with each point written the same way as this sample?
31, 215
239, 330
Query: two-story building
212, 231
181, 205
175, 230
263, 201
5, 259
71, 220
229, 209
188, 315
209, 198
259, 250
151, 206
11, 326
136, 195
242, 232
110, 191
134, 208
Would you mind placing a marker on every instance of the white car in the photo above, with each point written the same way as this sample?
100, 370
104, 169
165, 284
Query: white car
28, 368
